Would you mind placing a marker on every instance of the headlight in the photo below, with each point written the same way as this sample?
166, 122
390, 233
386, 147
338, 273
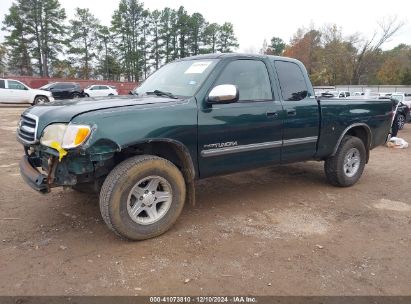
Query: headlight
67, 136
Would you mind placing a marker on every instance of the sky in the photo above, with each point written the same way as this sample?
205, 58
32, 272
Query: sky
257, 20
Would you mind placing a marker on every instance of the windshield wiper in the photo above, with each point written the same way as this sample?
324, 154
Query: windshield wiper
162, 93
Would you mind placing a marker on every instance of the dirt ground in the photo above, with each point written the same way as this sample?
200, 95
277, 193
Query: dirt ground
275, 231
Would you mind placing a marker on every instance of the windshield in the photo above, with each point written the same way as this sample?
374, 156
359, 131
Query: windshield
182, 78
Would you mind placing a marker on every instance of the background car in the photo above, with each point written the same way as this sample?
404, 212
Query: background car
64, 90
335, 94
14, 91
100, 90
402, 97
403, 111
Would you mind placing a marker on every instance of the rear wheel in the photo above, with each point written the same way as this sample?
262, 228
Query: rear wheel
345, 168
40, 100
142, 197
75, 95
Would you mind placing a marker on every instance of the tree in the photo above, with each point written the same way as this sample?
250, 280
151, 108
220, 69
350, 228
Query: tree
105, 40
17, 43
277, 46
3, 52
336, 57
155, 52
145, 43
305, 46
127, 28
210, 38
406, 77
369, 47
165, 34
44, 21
196, 25
64, 69
227, 40
183, 20
396, 65
84, 40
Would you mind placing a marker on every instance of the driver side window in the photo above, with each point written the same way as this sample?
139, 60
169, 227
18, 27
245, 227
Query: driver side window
251, 78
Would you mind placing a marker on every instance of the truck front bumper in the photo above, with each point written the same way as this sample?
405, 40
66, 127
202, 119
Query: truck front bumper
32, 176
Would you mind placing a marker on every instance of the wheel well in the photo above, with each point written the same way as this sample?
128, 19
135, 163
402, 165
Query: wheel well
34, 99
39, 95
173, 152
170, 150
364, 134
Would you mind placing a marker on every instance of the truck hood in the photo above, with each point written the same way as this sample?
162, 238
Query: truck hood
65, 111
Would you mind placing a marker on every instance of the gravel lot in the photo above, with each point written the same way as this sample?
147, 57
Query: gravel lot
274, 231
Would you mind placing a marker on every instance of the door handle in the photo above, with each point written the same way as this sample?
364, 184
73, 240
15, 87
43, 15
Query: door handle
272, 114
292, 112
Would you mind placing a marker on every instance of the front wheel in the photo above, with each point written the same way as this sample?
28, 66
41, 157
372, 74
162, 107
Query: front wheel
142, 197
345, 168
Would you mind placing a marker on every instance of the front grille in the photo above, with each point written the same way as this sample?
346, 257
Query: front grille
27, 129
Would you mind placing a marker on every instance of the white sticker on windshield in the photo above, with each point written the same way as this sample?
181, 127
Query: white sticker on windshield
198, 67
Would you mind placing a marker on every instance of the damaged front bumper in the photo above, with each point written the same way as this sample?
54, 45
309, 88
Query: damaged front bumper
32, 176
42, 170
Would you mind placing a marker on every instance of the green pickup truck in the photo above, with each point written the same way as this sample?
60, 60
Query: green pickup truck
194, 118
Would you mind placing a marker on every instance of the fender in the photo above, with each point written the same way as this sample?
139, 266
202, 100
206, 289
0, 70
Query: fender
361, 124
188, 170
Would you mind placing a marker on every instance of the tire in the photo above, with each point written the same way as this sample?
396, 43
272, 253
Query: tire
75, 96
118, 197
401, 121
337, 168
86, 95
40, 100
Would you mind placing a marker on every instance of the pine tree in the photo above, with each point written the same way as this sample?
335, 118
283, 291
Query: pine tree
227, 41
44, 20
210, 38
3, 52
196, 25
127, 23
17, 43
277, 46
83, 40
183, 20
155, 50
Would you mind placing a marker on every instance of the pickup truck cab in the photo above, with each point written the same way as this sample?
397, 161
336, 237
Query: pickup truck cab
194, 118
14, 91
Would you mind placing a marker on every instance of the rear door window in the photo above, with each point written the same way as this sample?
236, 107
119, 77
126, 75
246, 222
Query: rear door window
68, 86
58, 86
292, 81
2, 84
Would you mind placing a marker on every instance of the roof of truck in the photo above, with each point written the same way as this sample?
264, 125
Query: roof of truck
235, 55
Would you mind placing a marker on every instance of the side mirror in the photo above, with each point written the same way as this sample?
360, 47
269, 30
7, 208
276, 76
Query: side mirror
225, 93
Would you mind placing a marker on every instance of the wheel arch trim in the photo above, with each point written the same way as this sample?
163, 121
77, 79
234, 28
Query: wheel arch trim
188, 170
350, 127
